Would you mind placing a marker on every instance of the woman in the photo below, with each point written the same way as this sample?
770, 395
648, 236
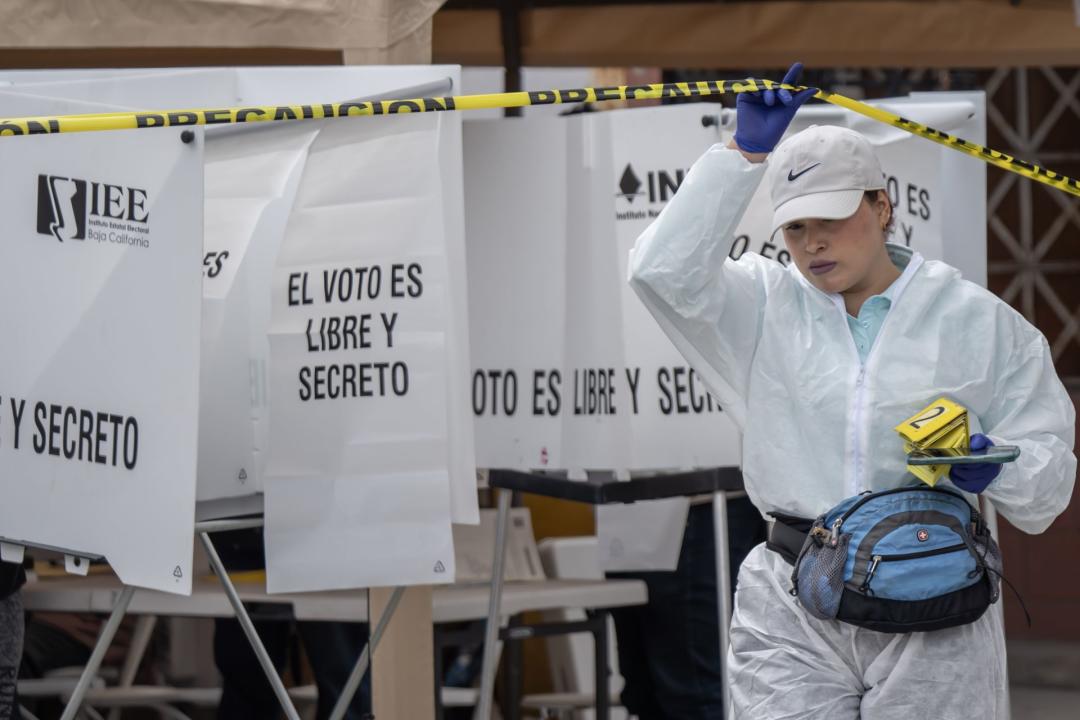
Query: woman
817, 363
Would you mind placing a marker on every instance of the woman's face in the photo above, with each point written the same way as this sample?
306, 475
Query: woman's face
837, 255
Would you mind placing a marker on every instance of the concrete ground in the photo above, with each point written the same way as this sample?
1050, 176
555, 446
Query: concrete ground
1041, 703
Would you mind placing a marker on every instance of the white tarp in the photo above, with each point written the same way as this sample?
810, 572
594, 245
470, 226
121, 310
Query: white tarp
383, 30
100, 376
251, 180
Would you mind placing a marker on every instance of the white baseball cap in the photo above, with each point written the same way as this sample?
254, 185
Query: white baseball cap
821, 172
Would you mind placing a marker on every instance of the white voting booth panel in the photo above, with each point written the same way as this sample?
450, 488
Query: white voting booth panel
553, 385
359, 320
100, 378
291, 201
569, 370
515, 210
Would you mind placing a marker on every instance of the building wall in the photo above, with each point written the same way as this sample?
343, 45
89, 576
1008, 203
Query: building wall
1033, 259
1044, 570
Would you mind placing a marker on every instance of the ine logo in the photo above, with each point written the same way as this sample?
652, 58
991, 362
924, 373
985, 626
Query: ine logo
659, 184
629, 184
658, 187
74, 209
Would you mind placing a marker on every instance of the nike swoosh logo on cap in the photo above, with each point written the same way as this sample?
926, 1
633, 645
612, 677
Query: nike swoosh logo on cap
792, 175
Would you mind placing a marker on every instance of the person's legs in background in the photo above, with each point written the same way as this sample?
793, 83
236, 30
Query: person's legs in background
638, 695
63, 642
333, 648
674, 652
246, 694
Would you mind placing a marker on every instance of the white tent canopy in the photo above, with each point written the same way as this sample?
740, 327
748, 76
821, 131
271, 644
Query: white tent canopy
366, 31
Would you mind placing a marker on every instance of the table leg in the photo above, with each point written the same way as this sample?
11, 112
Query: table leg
602, 668
492, 645
437, 662
511, 709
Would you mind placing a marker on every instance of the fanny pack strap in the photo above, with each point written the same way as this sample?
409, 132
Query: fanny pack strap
787, 535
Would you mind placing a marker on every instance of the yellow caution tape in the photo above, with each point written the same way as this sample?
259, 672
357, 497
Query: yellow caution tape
276, 113
994, 157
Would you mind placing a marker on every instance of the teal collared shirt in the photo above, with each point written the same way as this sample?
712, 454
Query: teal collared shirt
864, 329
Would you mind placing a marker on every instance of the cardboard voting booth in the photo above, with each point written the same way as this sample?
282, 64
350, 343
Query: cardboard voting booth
311, 372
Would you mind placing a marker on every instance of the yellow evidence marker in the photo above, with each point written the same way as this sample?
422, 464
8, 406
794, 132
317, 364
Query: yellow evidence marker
942, 425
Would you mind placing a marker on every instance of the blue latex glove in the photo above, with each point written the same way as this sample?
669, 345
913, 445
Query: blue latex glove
974, 478
762, 117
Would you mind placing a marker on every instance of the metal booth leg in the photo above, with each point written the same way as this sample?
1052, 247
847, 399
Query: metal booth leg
249, 630
723, 587
991, 516
353, 683
492, 645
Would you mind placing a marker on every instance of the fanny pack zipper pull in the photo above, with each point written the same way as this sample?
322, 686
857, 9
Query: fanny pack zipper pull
870, 573
834, 536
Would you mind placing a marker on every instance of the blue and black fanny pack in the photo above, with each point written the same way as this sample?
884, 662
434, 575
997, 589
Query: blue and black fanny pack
912, 559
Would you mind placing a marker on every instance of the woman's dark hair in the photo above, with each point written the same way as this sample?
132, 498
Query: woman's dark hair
871, 196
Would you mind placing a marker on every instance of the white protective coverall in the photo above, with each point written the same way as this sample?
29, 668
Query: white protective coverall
818, 427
